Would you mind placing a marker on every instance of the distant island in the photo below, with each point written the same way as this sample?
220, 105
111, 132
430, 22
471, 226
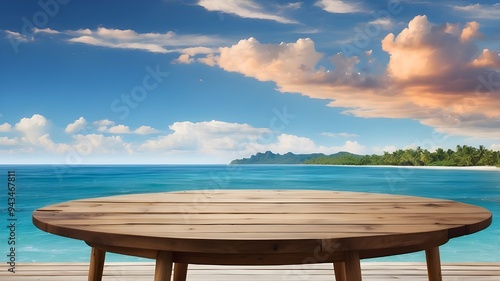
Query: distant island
463, 155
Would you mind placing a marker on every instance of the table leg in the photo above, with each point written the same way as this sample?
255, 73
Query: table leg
339, 270
163, 268
352, 266
433, 264
96, 268
180, 271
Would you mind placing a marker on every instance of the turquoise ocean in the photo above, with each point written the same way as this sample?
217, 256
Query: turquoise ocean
41, 185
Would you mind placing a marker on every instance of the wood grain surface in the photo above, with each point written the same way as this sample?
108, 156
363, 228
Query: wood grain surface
258, 222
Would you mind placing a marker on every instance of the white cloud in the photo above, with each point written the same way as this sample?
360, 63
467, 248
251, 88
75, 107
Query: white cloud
352, 147
76, 126
385, 23
107, 126
46, 143
119, 129
83, 146
5, 127
199, 50
308, 30
7, 141
340, 7
481, 11
33, 127
387, 148
292, 6
210, 60
291, 143
45, 30
495, 147
103, 125
296, 144
342, 135
167, 42
212, 141
245, 9
184, 58
227, 141
146, 130
206, 137
151, 42
18, 36
96, 143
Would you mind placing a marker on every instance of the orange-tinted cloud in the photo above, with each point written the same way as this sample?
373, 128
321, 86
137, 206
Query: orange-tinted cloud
436, 74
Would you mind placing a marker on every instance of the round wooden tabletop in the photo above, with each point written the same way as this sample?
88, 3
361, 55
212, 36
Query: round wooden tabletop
264, 221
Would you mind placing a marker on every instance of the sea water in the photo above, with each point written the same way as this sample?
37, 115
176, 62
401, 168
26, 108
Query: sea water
41, 185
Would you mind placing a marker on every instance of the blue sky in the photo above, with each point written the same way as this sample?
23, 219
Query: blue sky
209, 81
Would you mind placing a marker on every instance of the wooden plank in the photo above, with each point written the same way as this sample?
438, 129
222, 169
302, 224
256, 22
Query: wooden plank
239, 195
352, 266
339, 271
311, 230
180, 271
279, 219
264, 221
433, 264
131, 271
163, 267
97, 257
303, 207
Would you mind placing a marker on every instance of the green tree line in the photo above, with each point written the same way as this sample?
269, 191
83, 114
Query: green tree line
463, 155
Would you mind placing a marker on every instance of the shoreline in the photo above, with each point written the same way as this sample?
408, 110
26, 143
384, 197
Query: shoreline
463, 168
467, 168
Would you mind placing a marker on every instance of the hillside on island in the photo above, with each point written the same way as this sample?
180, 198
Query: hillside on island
270, 158
461, 156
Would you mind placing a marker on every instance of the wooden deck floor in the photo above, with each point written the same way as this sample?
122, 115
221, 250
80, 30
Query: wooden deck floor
372, 271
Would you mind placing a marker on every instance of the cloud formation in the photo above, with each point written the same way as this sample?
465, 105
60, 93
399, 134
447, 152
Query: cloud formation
18, 37
146, 130
340, 7
5, 127
216, 141
245, 9
122, 129
224, 140
436, 74
336, 135
151, 42
168, 42
76, 126
45, 30
108, 126
384, 23
479, 11
5, 141
297, 144
206, 137
32, 127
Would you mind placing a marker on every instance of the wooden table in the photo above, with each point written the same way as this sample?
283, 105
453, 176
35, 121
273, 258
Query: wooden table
261, 227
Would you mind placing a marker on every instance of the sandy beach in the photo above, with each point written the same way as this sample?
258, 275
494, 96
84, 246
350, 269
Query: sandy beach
466, 168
